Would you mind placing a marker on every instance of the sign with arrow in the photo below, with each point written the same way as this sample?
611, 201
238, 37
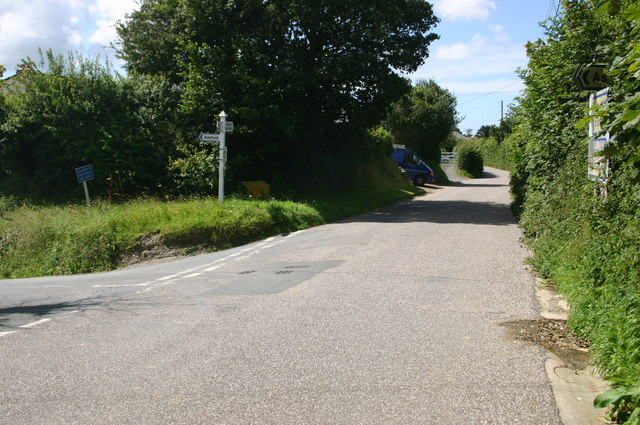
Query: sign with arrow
590, 77
209, 137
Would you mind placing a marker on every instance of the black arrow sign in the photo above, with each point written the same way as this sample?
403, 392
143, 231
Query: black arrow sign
590, 77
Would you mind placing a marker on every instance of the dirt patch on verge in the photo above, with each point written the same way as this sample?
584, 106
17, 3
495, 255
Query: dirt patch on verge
554, 335
153, 249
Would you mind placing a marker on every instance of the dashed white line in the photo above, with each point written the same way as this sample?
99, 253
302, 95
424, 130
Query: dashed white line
36, 323
122, 286
168, 277
192, 275
210, 269
7, 333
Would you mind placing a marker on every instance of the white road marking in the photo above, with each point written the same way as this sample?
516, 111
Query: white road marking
145, 290
122, 286
186, 271
168, 277
7, 333
36, 323
71, 312
210, 269
192, 275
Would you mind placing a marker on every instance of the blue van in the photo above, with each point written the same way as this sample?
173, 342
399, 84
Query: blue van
415, 168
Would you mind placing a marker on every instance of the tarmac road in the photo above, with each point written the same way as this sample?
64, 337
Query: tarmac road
391, 317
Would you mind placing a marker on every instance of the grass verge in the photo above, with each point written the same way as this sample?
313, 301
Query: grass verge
55, 240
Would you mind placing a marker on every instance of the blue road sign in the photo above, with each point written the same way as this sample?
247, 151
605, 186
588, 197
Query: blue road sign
85, 173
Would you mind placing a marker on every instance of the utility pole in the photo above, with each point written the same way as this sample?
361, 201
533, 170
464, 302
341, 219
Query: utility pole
501, 111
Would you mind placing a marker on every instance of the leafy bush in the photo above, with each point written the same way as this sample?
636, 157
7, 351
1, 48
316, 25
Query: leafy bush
495, 153
74, 111
470, 160
382, 142
423, 119
585, 235
624, 399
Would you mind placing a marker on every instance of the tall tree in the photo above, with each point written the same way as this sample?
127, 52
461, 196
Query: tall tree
149, 39
283, 68
424, 119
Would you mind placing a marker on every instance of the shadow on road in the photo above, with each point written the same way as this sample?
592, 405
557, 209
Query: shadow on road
428, 210
467, 184
441, 212
41, 310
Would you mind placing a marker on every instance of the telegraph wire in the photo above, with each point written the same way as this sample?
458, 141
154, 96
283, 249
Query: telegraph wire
491, 92
552, 5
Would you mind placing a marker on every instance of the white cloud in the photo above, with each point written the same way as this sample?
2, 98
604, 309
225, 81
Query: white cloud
453, 52
112, 9
482, 64
86, 26
26, 26
498, 32
107, 13
481, 60
105, 34
480, 56
466, 10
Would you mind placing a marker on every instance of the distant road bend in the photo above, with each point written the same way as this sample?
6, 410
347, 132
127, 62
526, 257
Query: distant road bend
390, 317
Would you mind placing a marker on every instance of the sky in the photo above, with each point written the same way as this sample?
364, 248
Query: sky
480, 47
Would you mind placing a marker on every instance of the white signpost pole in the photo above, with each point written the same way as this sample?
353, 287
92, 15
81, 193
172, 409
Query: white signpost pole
223, 120
86, 194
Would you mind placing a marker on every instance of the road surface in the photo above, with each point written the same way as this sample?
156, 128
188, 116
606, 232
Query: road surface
391, 317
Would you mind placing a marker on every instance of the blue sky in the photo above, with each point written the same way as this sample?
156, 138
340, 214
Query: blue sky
481, 45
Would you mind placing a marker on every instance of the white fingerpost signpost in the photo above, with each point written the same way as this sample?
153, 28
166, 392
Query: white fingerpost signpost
223, 156
224, 127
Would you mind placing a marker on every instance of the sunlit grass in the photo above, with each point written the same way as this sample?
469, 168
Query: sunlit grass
37, 241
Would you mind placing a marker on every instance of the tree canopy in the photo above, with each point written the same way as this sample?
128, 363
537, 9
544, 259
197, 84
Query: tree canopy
424, 119
302, 79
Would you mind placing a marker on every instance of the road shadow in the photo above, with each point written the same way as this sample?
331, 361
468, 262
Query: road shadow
41, 310
428, 210
441, 212
468, 184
